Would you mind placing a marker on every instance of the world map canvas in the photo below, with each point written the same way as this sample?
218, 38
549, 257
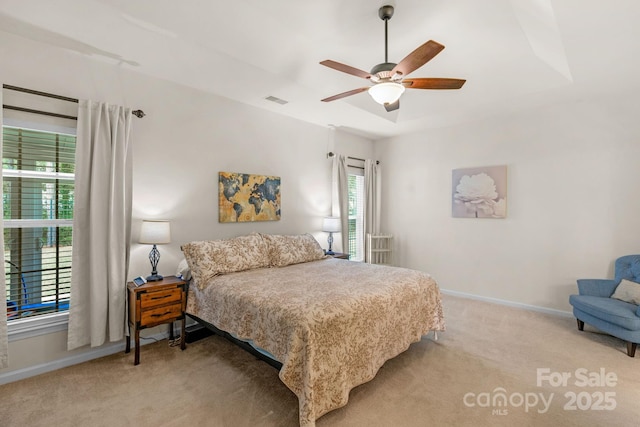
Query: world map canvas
243, 197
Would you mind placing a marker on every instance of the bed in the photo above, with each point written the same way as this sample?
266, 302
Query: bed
332, 323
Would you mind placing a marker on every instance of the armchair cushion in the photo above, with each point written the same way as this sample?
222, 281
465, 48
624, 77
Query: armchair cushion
609, 310
627, 291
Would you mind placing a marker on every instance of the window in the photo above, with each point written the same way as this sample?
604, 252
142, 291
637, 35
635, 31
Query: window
356, 217
38, 195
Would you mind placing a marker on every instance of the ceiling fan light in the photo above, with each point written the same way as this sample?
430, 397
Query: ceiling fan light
386, 93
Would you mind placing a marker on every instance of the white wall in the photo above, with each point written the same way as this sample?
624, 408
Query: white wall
186, 138
573, 205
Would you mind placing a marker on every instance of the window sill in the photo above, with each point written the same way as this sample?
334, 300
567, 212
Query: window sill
35, 326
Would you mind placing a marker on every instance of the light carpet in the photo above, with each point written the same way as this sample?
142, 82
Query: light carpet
494, 366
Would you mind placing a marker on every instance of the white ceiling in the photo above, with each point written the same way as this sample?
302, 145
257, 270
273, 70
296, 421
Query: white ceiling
514, 54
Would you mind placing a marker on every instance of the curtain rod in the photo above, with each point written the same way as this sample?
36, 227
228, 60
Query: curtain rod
138, 113
331, 154
45, 113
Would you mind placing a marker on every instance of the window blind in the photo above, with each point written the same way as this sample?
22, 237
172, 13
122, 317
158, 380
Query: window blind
38, 193
356, 217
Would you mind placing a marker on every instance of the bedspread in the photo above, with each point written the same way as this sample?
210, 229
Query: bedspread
332, 323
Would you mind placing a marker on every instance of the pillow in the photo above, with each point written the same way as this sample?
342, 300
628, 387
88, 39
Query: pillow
628, 291
286, 250
208, 259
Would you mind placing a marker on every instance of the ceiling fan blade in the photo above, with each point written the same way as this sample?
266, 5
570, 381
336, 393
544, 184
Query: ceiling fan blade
418, 58
345, 94
392, 107
433, 83
346, 69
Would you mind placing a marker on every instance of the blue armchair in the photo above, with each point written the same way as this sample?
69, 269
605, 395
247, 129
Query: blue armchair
595, 306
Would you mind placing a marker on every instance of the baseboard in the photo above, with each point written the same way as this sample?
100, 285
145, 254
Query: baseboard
105, 350
539, 309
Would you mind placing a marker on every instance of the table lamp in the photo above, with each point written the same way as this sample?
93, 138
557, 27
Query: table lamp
330, 224
155, 232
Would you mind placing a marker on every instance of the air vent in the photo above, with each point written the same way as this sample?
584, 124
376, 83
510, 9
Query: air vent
276, 100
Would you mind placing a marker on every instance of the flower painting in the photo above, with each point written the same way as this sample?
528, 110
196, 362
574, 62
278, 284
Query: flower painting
480, 192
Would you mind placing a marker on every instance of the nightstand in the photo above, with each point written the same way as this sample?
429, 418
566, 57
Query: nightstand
153, 304
340, 255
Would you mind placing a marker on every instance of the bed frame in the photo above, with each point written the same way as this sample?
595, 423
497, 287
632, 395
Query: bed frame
242, 344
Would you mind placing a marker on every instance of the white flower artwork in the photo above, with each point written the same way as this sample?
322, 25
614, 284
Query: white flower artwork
480, 192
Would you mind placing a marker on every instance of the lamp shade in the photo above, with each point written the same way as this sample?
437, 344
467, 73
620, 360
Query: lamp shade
386, 93
155, 232
331, 224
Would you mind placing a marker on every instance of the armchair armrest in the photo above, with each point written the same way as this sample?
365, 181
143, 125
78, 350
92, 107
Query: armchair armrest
597, 287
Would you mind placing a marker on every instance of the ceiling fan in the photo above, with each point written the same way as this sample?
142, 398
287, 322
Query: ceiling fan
388, 79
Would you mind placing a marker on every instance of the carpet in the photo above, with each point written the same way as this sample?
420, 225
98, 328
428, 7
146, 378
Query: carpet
494, 366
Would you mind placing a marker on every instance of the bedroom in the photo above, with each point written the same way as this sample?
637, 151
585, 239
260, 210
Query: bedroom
570, 157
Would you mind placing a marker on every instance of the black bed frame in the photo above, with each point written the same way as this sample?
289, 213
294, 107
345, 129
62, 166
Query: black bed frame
204, 329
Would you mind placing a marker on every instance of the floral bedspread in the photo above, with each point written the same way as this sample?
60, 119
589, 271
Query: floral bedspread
332, 323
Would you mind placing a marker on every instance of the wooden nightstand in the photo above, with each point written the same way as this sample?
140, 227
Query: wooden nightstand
153, 304
340, 255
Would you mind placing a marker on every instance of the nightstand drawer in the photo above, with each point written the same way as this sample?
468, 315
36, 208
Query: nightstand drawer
160, 314
153, 299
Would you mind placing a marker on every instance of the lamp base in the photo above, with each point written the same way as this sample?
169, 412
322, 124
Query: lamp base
330, 242
154, 278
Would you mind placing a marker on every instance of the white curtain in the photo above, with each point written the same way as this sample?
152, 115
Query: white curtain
341, 196
101, 225
4, 341
372, 195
